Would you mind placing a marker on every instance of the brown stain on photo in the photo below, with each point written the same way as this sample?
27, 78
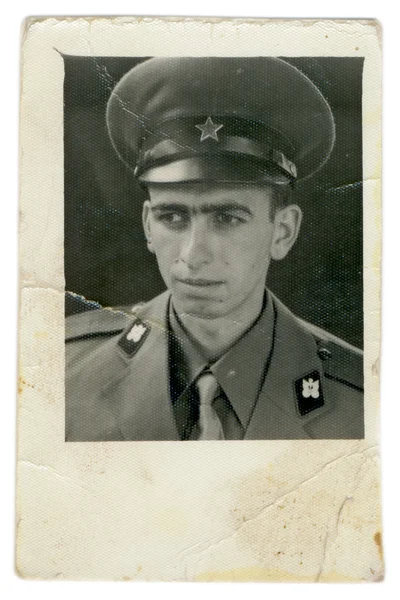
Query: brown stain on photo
267, 512
22, 384
132, 578
252, 574
378, 542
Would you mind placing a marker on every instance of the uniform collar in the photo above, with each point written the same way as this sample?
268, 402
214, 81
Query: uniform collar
136, 387
294, 356
241, 370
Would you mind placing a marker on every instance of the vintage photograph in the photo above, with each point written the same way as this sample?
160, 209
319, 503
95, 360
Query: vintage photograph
213, 248
199, 333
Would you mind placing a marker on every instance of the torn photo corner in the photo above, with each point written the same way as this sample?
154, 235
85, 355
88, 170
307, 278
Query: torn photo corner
200, 300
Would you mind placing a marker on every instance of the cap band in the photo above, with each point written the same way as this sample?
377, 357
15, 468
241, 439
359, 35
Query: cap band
185, 138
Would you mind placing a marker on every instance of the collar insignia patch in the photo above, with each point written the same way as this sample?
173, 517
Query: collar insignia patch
136, 333
132, 339
309, 393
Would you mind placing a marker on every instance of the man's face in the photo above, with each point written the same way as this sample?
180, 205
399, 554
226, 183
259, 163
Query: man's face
212, 243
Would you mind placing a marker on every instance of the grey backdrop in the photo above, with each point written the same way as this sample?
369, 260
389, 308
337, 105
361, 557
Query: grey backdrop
106, 259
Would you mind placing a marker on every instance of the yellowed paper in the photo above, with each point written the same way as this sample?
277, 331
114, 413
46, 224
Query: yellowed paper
234, 510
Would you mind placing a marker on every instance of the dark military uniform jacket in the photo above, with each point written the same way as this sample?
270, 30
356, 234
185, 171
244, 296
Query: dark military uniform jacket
117, 379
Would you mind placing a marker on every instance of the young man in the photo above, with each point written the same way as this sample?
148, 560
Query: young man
219, 144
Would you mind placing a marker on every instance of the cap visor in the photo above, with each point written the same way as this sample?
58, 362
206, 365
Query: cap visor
217, 168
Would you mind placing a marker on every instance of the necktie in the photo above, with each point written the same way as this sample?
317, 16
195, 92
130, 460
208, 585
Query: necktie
209, 424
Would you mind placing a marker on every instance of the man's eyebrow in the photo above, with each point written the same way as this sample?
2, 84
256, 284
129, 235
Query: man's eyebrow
225, 207
170, 206
204, 208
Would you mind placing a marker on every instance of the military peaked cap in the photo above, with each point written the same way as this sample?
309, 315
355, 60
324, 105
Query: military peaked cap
220, 119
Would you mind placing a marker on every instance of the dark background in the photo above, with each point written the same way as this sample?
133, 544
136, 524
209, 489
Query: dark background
106, 259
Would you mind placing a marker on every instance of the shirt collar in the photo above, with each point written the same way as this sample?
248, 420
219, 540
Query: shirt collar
241, 370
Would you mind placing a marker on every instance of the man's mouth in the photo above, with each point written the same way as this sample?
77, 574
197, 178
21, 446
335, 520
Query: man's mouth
195, 282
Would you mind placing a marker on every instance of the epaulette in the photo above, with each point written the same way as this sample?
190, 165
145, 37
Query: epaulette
342, 361
97, 322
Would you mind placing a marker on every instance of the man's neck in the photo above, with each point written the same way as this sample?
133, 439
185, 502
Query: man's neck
214, 337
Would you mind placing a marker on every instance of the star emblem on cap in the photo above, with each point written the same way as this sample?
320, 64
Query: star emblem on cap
209, 130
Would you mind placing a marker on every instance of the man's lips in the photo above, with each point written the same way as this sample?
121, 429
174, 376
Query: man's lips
198, 282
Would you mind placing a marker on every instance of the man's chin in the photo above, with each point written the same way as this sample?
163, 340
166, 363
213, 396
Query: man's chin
200, 308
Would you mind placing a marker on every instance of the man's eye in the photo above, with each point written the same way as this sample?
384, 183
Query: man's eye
228, 220
173, 219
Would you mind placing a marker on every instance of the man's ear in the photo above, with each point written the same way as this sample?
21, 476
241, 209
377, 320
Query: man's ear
287, 223
146, 220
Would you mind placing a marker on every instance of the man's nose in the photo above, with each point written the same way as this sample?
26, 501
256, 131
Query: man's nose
196, 248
